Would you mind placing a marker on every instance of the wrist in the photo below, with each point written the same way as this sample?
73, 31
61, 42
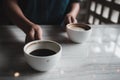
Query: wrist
75, 8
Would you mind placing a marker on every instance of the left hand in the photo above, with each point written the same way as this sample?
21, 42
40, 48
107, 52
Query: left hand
69, 18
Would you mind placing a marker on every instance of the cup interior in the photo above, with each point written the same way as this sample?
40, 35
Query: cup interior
78, 27
38, 44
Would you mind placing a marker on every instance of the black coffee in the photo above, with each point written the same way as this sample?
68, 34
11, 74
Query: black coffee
42, 52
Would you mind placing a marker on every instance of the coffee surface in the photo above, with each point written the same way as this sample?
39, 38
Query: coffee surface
42, 52
77, 28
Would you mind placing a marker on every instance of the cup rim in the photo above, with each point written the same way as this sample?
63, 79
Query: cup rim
87, 27
36, 41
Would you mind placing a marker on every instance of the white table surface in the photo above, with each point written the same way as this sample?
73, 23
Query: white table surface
96, 59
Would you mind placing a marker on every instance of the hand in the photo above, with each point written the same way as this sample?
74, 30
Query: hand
33, 33
70, 19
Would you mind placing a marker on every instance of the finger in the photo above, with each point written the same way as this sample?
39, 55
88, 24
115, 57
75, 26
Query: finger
69, 19
27, 39
38, 33
30, 36
74, 20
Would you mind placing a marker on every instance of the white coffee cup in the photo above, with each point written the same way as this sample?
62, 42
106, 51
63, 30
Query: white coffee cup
42, 63
78, 32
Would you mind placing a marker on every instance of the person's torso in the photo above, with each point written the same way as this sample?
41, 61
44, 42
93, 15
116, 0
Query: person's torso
44, 11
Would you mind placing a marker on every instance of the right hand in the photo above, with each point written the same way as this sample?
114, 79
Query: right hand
34, 32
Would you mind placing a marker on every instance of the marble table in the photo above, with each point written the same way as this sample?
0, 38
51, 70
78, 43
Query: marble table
96, 59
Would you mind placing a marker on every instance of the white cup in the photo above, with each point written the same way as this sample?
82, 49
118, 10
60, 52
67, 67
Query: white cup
78, 33
42, 63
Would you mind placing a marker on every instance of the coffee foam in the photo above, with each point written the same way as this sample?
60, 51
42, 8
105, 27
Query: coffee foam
77, 28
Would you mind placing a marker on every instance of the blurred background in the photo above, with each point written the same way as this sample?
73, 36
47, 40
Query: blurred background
100, 11
92, 12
